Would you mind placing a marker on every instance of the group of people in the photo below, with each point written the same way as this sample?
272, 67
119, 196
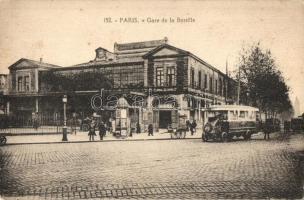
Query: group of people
101, 127
191, 126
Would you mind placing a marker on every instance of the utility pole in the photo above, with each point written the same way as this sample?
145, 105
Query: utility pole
239, 87
226, 82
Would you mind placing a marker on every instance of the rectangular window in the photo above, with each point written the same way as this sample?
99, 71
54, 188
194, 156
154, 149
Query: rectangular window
221, 87
216, 89
20, 80
233, 115
159, 76
27, 83
205, 80
242, 114
171, 76
210, 85
192, 78
199, 79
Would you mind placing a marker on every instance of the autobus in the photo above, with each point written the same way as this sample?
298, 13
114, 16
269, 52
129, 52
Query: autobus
228, 121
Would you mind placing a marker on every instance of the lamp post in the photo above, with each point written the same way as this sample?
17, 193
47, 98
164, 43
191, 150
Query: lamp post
205, 106
64, 129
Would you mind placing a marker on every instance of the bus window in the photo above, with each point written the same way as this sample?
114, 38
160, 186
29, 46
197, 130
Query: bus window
224, 115
233, 115
242, 114
252, 115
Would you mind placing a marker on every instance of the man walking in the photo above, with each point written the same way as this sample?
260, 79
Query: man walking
92, 130
267, 130
193, 127
150, 130
102, 130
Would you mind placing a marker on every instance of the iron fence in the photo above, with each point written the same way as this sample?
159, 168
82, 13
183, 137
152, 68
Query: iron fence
21, 125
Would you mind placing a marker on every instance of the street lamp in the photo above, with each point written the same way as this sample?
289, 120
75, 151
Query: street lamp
64, 129
205, 106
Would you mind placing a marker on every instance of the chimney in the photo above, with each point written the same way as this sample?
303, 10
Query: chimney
41, 59
166, 40
115, 47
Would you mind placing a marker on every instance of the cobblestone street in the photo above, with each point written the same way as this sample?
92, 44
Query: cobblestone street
154, 169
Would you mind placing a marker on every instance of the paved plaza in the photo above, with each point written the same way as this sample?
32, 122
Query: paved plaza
82, 136
154, 169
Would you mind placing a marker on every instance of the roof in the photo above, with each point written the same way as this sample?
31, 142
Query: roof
34, 64
137, 52
102, 49
181, 51
232, 107
105, 62
136, 49
138, 45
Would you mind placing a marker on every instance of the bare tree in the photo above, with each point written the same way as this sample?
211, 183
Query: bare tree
262, 83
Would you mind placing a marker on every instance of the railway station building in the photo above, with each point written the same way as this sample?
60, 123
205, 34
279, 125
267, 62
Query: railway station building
155, 81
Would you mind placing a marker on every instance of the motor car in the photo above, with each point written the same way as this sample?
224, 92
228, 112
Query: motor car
297, 124
227, 121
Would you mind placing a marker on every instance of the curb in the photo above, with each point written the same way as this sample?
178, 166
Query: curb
118, 140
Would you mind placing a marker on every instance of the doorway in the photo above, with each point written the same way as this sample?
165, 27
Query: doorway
164, 119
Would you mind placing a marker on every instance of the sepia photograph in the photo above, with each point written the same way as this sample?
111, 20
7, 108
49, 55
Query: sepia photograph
164, 99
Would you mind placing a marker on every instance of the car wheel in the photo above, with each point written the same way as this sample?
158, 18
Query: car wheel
3, 140
207, 128
225, 137
204, 137
247, 135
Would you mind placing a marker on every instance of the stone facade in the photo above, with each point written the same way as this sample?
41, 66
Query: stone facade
168, 80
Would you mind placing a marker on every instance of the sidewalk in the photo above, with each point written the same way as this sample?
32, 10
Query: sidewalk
83, 137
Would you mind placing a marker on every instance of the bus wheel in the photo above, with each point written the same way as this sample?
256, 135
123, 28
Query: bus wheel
204, 137
247, 135
2, 140
225, 137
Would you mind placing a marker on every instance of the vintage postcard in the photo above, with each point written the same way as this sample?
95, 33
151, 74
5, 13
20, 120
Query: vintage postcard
151, 99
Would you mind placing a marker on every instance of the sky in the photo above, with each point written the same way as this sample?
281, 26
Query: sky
68, 32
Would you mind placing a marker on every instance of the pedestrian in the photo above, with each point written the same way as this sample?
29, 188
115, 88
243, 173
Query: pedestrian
102, 130
286, 127
74, 123
150, 130
137, 128
194, 124
92, 130
188, 124
131, 132
267, 130
191, 129
35, 121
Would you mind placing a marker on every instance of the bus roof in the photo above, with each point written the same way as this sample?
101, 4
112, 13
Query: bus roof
231, 107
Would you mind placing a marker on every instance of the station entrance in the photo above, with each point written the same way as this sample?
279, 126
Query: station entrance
165, 118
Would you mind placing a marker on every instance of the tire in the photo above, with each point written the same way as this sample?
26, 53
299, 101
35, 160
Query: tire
225, 137
204, 137
3, 140
247, 135
207, 128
